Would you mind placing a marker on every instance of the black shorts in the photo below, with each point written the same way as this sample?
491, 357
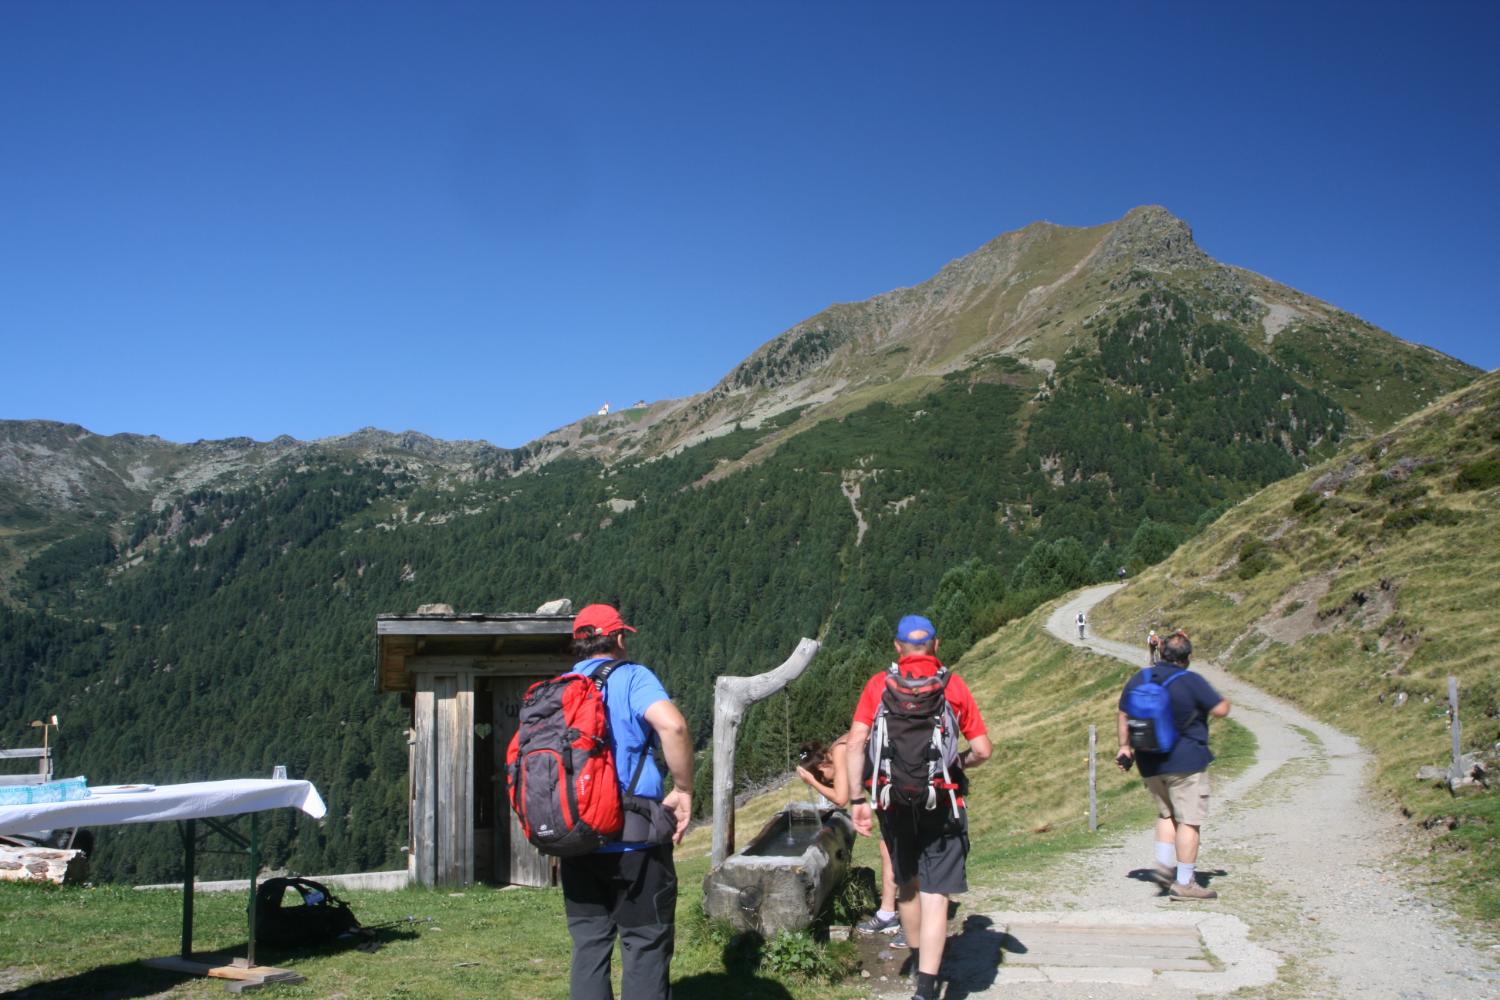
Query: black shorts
929, 846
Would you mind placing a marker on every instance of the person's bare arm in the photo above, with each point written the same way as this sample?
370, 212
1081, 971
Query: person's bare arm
843, 788
979, 751
1122, 730
677, 750
1220, 710
854, 760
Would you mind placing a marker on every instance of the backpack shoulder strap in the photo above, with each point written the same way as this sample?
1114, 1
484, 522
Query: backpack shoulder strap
601, 674
599, 677
1169, 680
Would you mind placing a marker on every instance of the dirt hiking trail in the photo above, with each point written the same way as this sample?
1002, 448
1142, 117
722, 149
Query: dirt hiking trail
1312, 898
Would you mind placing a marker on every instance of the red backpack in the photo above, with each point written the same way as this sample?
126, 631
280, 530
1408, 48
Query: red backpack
560, 768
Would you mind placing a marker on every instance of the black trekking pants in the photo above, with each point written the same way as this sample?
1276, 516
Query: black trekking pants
632, 895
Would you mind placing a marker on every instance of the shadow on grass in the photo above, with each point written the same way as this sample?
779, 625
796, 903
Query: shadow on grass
132, 979
368, 939
107, 982
718, 985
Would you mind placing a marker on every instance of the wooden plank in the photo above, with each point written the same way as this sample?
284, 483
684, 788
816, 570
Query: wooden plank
25, 752
533, 665
217, 970
454, 722
554, 626
424, 785
463, 780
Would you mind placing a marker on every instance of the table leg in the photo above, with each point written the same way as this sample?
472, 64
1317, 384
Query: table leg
189, 830
254, 872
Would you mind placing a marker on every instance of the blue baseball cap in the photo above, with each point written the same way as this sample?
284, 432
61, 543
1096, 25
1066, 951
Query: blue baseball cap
915, 628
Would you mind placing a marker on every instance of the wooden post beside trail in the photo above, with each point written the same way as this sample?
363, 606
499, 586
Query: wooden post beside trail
1456, 728
732, 695
1093, 779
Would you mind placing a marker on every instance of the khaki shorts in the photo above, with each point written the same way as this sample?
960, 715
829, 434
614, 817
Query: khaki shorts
1181, 797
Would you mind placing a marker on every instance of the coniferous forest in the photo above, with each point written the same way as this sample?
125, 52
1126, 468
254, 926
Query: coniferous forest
233, 629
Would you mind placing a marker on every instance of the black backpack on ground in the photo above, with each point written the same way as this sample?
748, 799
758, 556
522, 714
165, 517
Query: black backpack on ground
913, 750
317, 918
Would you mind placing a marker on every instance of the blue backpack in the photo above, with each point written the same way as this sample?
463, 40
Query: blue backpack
1148, 708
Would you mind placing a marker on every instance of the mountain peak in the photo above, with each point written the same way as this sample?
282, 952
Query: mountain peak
1153, 238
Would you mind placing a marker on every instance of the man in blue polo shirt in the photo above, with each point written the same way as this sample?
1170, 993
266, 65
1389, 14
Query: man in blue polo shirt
628, 888
1177, 780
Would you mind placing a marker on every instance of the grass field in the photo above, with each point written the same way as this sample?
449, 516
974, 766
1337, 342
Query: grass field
1028, 806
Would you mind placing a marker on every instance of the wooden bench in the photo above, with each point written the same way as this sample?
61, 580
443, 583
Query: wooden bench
43, 757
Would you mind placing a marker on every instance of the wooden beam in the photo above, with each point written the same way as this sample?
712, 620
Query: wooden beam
732, 695
552, 626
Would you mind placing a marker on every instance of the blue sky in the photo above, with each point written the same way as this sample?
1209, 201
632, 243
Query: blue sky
483, 220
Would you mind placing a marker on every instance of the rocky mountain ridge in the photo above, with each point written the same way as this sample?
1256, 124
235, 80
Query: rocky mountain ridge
1033, 294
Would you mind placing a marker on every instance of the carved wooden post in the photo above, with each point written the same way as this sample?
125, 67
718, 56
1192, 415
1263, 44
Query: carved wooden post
1455, 769
732, 695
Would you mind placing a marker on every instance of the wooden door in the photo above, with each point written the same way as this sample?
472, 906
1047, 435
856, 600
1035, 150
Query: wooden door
516, 861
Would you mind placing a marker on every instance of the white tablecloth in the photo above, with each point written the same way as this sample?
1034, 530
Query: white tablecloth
195, 800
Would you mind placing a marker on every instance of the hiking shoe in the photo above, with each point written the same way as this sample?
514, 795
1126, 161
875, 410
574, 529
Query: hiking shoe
1191, 891
1163, 875
899, 941
875, 925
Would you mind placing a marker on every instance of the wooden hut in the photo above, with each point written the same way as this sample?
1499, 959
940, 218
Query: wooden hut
463, 677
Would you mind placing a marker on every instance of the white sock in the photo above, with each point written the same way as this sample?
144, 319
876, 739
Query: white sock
1166, 853
1185, 873
885, 914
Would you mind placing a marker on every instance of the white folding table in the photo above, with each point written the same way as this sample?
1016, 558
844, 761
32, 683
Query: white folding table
210, 801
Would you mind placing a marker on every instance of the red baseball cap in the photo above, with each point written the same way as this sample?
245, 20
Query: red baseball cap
601, 619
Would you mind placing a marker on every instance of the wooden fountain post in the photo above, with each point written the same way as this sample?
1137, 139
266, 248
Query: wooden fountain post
732, 695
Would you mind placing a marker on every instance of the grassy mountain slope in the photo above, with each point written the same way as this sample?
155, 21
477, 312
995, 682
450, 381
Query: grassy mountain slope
1034, 294
1355, 589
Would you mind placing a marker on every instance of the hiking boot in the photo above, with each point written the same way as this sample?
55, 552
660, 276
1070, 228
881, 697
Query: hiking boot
875, 925
1191, 891
1163, 875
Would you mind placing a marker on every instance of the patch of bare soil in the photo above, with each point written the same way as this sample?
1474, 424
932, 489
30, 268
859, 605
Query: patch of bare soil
1294, 616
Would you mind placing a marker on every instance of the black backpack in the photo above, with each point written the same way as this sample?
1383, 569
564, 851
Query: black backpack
320, 917
913, 751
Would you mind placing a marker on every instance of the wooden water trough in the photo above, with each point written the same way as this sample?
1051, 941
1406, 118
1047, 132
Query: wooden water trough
782, 878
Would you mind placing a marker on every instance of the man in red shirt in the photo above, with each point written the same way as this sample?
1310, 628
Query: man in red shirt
928, 847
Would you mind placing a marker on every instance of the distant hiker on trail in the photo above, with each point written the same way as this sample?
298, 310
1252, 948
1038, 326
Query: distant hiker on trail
1163, 726
1082, 623
1153, 644
902, 712
628, 888
826, 771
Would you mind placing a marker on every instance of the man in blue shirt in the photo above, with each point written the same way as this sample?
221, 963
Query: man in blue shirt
628, 888
1178, 780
